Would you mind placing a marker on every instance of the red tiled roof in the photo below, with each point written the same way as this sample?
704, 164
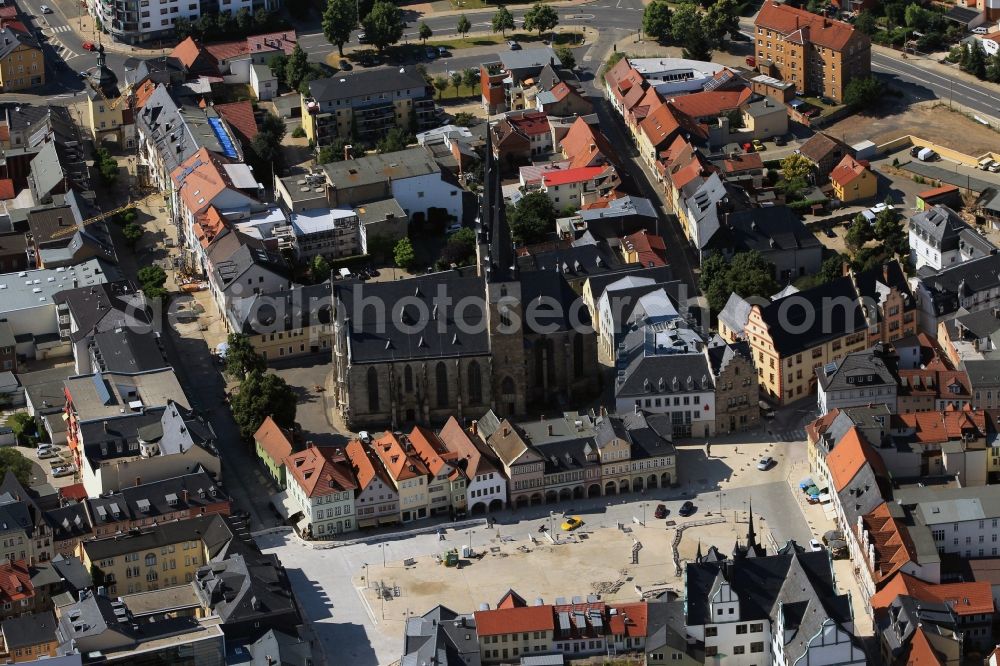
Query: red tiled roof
15, 582
743, 162
921, 653
240, 116
274, 440
561, 90
431, 450
4, 133
849, 169
8, 12
938, 427
366, 470
459, 440
511, 599
972, 598
937, 191
7, 189
514, 620
572, 175
817, 29
631, 620
74, 491
208, 226
321, 471
200, 179
273, 41
532, 124
143, 92
849, 456
710, 102
891, 540
650, 248
227, 50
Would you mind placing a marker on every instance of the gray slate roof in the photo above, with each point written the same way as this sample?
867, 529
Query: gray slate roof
865, 368
366, 82
440, 636
106, 307
247, 585
212, 529
949, 231
28, 630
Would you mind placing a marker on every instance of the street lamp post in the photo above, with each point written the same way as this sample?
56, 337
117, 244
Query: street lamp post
643, 514
367, 579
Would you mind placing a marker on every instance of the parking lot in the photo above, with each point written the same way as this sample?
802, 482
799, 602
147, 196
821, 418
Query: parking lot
337, 589
44, 466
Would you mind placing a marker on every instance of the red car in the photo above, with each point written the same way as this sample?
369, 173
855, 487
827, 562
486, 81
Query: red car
88, 46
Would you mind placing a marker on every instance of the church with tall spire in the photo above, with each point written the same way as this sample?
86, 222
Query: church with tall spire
463, 341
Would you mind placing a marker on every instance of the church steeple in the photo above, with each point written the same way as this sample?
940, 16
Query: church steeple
698, 556
751, 535
497, 260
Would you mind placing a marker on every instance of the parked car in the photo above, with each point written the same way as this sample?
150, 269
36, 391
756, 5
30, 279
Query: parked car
759, 145
739, 37
572, 523
765, 463
362, 38
765, 410
431, 53
443, 52
830, 233
915, 150
365, 437
995, 167
815, 545
62, 470
513, 46
780, 141
927, 155
88, 46
687, 509
751, 62
345, 65
661, 511
45, 9
369, 60
453, 228
980, 30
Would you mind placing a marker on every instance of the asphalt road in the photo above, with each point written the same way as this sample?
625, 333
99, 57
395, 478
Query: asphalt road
984, 98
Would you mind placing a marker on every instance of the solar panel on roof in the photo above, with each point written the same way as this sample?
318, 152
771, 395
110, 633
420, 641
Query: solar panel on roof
103, 394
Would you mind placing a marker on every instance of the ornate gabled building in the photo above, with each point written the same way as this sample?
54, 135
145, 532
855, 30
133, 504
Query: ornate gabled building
458, 342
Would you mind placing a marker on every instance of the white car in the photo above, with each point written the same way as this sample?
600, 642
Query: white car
765, 463
45, 9
980, 31
62, 470
815, 545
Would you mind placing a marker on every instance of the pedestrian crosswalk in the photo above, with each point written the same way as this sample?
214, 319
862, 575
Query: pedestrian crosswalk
797, 435
60, 28
64, 51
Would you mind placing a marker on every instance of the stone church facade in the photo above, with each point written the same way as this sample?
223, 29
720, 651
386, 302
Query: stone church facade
402, 356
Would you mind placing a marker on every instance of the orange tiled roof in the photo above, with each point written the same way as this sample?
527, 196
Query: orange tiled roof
15, 582
744, 162
659, 125
511, 599
74, 491
459, 440
937, 427
804, 26
200, 179
321, 471
7, 189
275, 440
532, 123
273, 41
710, 102
227, 50
240, 116
397, 462
849, 456
514, 620
186, 52
937, 191
849, 168
921, 653
585, 146
366, 470
631, 620
431, 450
209, 225
143, 92
891, 540
972, 598
816, 428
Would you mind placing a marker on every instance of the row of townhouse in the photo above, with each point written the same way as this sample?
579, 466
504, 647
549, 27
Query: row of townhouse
902, 531
397, 478
798, 333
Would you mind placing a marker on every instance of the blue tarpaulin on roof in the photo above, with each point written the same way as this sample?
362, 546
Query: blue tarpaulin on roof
228, 149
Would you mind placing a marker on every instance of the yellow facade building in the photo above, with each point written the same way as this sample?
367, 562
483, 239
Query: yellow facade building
22, 63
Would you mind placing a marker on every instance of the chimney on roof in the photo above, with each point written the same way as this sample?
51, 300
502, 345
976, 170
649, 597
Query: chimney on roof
184, 495
475, 427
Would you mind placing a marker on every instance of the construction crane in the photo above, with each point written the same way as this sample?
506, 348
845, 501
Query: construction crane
103, 216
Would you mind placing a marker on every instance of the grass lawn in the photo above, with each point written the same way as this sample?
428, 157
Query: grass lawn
232, 92
479, 4
462, 92
824, 108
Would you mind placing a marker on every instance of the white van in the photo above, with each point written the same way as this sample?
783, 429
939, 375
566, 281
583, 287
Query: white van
985, 163
345, 274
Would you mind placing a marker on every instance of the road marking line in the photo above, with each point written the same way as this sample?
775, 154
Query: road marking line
368, 608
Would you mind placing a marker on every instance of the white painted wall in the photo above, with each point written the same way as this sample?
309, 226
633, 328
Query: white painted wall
485, 488
419, 193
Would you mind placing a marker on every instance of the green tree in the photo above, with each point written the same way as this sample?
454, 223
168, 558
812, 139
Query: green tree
333, 152
260, 395
917, 17
863, 94
456, 81
541, 17
470, 78
689, 30
464, 119
721, 20
976, 60
833, 267
296, 67
460, 248
241, 357
278, 63
441, 84
11, 460
24, 427
859, 233
151, 280
566, 57
796, 167
394, 141
424, 32
183, 29
865, 22
532, 219
747, 274
339, 19
714, 281
656, 20
132, 233
464, 26
384, 25
503, 21
107, 166
993, 69
319, 269
403, 254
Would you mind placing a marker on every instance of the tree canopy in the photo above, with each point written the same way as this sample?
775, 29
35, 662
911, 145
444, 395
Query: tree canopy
24, 427
692, 33
260, 395
656, 20
747, 274
541, 17
384, 25
403, 254
566, 57
339, 19
151, 281
424, 32
863, 94
532, 219
12, 460
241, 357
464, 26
503, 20
460, 248
394, 140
